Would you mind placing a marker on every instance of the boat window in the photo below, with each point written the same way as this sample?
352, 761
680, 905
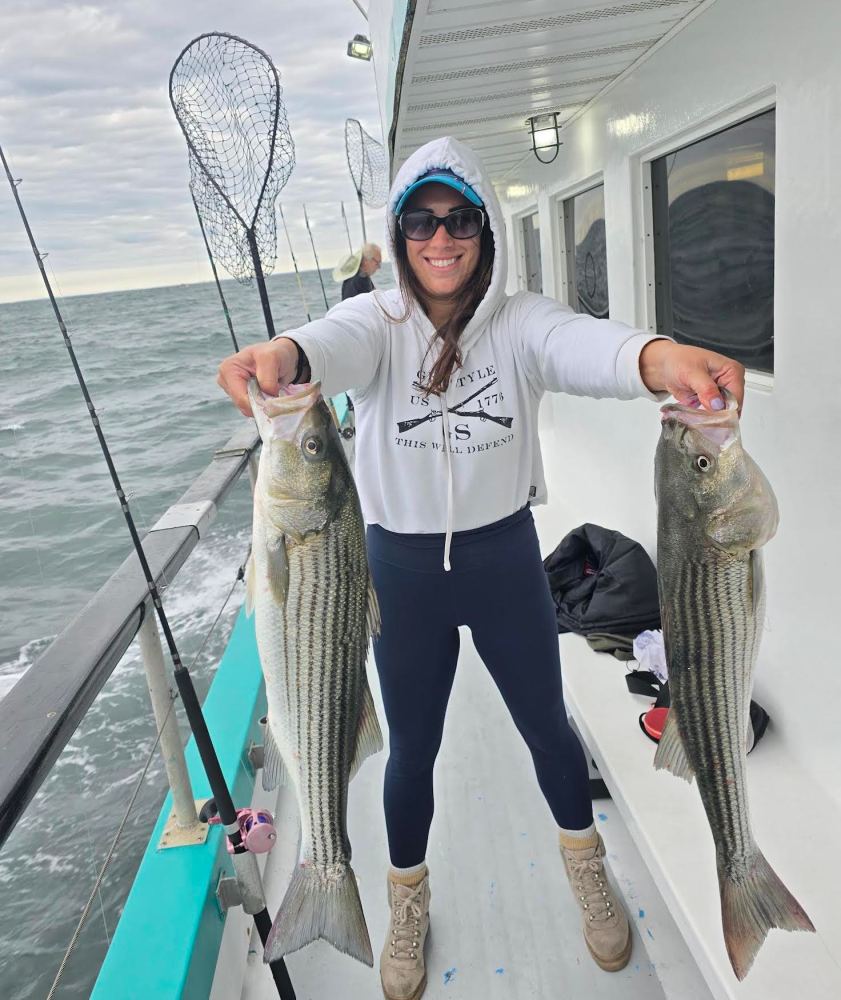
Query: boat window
531, 251
586, 257
713, 212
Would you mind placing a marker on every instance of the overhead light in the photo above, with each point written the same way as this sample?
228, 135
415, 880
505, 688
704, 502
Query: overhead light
545, 138
360, 47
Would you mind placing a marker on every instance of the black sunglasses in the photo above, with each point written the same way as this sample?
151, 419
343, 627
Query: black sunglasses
461, 224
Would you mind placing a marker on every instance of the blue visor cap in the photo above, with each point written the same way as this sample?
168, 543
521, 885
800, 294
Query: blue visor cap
439, 176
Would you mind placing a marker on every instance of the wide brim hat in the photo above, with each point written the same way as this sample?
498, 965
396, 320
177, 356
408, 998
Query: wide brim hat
347, 266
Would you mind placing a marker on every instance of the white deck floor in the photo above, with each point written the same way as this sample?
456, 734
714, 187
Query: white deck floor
503, 921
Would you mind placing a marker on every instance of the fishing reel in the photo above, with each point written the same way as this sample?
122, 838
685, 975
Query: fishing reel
256, 827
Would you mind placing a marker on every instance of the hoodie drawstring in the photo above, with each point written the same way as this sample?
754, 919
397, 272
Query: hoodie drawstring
445, 425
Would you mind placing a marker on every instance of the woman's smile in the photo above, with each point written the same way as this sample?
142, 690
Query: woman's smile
442, 264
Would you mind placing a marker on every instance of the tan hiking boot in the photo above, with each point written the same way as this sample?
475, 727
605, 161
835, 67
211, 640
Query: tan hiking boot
606, 929
402, 969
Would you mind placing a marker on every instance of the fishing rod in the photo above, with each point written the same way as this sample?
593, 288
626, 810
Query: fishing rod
215, 274
295, 265
347, 229
317, 265
245, 863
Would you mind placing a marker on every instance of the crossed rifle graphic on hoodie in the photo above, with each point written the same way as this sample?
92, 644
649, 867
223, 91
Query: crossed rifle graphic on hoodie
456, 410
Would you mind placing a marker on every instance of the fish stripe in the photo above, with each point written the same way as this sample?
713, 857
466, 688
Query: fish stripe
709, 691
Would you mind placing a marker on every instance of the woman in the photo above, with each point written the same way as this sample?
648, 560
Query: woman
446, 374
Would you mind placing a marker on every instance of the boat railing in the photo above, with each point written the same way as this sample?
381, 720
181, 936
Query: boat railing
42, 711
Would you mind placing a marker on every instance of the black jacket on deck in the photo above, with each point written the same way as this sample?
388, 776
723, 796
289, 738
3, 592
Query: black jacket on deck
602, 581
357, 285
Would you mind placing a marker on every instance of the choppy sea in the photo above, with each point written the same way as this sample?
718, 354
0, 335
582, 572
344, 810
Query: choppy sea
149, 358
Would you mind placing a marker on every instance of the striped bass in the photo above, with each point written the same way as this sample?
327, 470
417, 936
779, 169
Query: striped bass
315, 609
715, 510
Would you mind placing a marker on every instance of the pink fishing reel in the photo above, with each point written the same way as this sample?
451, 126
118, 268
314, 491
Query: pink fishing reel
256, 826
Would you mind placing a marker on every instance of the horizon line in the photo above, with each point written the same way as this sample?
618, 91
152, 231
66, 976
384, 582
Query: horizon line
177, 284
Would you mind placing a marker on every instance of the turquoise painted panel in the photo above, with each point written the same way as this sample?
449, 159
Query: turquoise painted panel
340, 405
168, 937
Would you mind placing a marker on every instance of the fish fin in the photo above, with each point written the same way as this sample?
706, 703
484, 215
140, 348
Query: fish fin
278, 569
369, 737
314, 908
671, 755
250, 585
373, 615
757, 580
255, 398
751, 907
274, 770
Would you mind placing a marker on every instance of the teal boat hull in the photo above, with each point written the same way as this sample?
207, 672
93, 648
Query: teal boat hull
167, 941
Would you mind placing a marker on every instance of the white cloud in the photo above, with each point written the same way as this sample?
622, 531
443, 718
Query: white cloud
85, 120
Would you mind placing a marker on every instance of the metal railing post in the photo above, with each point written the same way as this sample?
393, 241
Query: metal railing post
183, 804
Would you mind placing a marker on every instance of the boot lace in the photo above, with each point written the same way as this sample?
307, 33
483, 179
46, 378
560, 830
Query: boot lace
592, 889
406, 914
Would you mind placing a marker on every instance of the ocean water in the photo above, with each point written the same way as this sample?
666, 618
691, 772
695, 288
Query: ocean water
149, 358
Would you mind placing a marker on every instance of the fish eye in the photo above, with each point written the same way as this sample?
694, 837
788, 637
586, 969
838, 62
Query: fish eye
703, 464
312, 446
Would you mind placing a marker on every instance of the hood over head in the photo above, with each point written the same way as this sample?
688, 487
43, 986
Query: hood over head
448, 153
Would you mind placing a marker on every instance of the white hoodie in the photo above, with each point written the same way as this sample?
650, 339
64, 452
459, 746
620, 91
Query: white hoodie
471, 457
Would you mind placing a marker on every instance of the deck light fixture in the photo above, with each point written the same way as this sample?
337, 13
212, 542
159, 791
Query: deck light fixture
544, 136
360, 48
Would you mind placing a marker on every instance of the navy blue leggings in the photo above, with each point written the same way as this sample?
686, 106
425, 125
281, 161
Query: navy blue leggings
498, 588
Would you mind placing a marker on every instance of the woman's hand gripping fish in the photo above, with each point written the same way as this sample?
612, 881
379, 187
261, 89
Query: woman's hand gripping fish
715, 511
309, 587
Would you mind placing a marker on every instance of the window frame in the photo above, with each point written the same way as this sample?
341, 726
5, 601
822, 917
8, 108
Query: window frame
751, 107
565, 221
517, 220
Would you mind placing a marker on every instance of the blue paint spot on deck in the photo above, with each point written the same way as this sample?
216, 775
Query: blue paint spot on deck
449, 974
636, 968
493, 886
532, 864
641, 913
648, 932
499, 972
603, 817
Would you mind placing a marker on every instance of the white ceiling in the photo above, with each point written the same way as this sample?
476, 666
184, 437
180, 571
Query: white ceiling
478, 70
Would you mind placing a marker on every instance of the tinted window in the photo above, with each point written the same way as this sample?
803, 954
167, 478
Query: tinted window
531, 247
713, 208
584, 231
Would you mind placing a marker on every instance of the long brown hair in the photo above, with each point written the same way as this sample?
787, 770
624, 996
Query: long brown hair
465, 302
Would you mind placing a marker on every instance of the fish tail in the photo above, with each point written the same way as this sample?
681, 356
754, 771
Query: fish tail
751, 907
314, 908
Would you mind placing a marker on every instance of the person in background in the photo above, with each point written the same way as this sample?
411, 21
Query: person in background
447, 372
371, 259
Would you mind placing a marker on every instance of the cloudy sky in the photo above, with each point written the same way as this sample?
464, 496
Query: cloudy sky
85, 121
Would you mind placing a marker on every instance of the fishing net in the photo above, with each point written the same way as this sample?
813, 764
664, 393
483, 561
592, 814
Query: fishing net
226, 96
368, 164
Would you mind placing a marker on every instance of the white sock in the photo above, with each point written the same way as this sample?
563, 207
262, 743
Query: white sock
414, 870
578, 840
587, 834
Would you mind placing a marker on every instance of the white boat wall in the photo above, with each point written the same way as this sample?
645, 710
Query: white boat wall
632, 84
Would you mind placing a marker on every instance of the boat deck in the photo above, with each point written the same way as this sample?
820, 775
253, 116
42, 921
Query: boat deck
504, 923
